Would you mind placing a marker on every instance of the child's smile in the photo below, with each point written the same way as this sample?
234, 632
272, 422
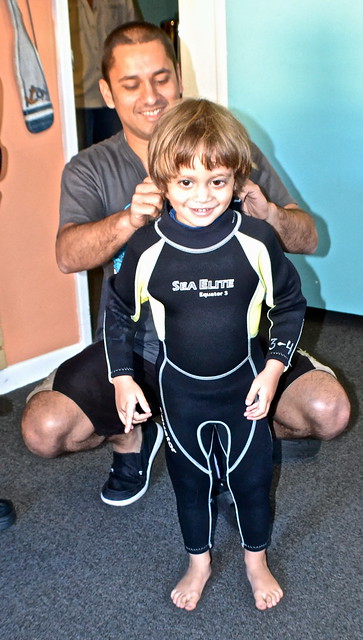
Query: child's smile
198, 195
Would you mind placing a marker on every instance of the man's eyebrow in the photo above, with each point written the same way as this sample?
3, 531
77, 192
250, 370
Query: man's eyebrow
162, 70
125, 78
136, 77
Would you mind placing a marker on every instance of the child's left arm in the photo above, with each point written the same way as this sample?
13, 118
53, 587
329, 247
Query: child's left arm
286, 314
262, 390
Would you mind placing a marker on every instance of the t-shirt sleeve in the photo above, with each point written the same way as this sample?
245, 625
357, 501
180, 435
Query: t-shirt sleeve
99, 181
268, 180
81, 193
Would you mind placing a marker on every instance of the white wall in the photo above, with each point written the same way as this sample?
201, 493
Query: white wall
202, 35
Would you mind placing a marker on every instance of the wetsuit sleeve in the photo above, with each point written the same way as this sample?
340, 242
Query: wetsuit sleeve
121, 315
285, 300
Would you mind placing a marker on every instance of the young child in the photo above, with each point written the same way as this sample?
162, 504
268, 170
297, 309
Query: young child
205, 270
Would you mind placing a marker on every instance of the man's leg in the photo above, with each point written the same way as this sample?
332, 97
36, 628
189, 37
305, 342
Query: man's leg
309, 404
130, 472
74, 410
312, 405
52, 424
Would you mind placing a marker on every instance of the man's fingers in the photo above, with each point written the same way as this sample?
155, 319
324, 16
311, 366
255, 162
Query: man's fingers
147, 202
142, 209
148, 183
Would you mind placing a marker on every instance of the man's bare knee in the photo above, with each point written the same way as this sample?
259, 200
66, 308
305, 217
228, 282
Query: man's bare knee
53, 424
42, 425
330, 415
314, 405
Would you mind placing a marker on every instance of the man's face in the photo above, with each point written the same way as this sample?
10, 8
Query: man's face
144, 84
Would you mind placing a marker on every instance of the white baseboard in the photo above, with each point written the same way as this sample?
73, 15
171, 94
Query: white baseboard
23, 373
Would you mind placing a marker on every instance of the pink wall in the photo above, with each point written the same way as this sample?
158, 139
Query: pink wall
37, 302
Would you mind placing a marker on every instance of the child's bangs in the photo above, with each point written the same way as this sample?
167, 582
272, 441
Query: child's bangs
210, 151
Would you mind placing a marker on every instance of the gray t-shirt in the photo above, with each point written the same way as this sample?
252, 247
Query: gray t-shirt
101, 180
268, 180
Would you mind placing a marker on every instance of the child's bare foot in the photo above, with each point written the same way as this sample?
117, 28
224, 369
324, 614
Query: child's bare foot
189, 589
265, 588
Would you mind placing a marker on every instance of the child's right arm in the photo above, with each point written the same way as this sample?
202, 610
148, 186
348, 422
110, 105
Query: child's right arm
127, 395
121, 313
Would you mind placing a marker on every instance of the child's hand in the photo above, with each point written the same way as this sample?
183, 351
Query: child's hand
127, 395
262, 390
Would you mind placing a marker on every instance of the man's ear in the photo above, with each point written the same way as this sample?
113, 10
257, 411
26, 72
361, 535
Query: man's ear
106, 93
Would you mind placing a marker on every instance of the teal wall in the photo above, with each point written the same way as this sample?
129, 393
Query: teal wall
295, 75
158, 10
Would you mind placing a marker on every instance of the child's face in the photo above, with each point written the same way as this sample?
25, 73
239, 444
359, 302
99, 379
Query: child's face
200, 196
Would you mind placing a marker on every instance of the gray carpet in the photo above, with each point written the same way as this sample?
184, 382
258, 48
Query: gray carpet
73, 568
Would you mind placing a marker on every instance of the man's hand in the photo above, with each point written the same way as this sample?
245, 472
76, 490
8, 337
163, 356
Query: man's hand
294, 227
146, 203
254, 202
127, 395
89, 245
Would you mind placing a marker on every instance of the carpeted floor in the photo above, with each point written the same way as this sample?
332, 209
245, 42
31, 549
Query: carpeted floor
73, 568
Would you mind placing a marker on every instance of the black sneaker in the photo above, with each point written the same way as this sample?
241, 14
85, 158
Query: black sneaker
130, 480
7, 514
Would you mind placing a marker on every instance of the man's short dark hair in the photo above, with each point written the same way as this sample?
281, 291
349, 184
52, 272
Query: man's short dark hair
136, 32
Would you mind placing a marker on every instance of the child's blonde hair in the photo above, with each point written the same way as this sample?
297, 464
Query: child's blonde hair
193, 126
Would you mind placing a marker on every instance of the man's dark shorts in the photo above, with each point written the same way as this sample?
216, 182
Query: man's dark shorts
84, 379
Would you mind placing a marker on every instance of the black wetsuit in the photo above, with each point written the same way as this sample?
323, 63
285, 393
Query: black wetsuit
205, 287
